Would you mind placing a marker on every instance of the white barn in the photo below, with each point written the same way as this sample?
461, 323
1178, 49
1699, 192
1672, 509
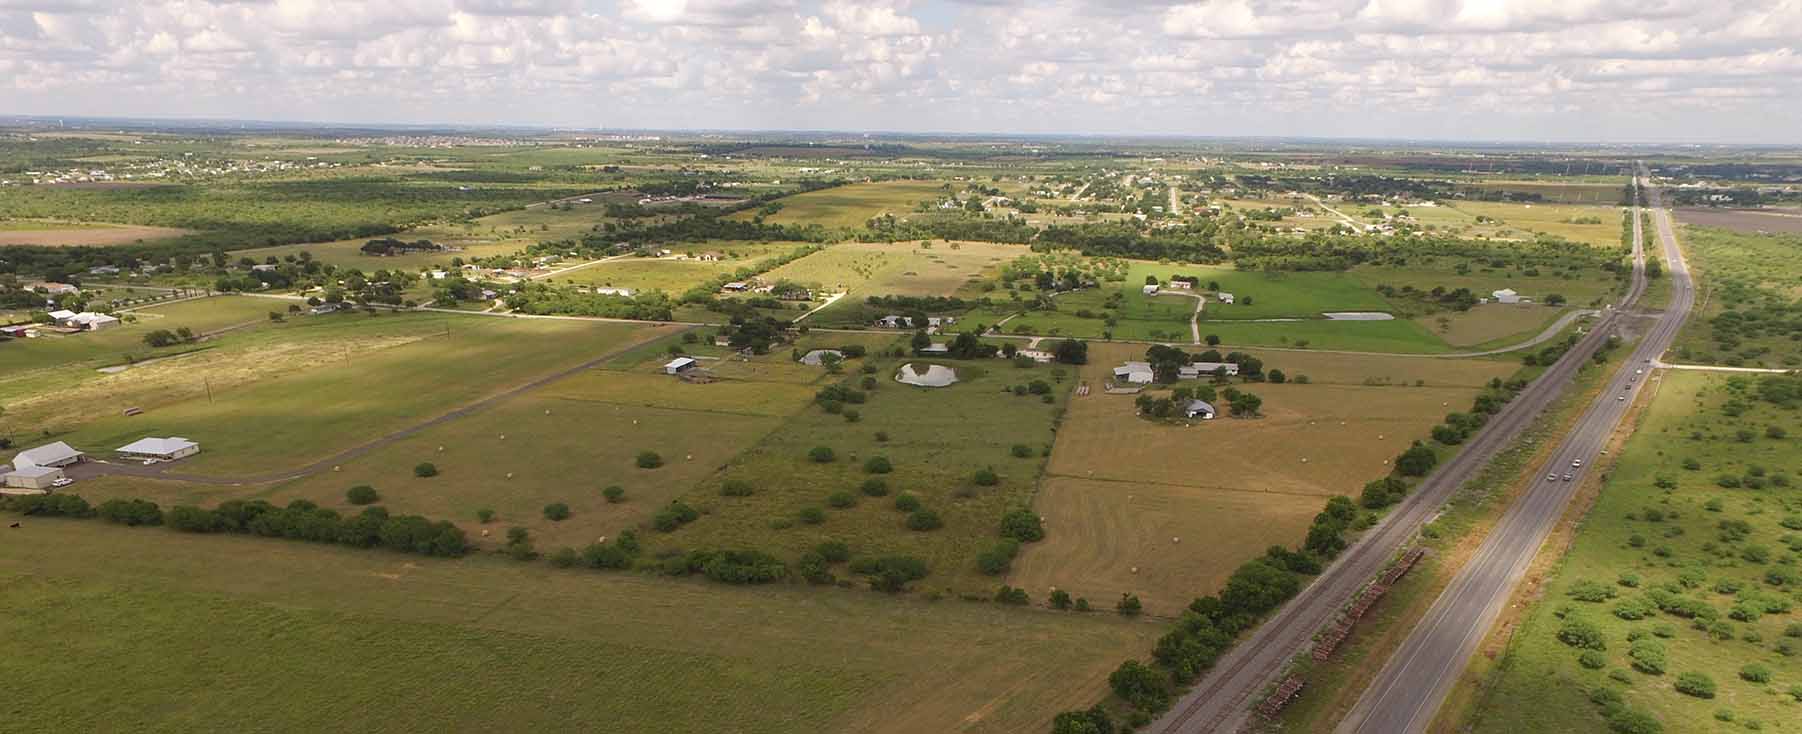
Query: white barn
32, 479
49, 455
167, 449
679, 365
1137, 373
1506, 295
1198, 370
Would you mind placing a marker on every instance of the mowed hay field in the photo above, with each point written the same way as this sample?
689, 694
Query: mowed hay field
181, 633
852, 205
1119, 487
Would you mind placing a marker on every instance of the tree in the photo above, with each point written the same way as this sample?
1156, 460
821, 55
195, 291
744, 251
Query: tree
821, 454
362, 494
1093, 721
615, 494
1022, 524
1416, 461
1140, 685
920, 341
649, 460
1277, 377
986, 477
1071, 351
1244, 405
1129, 605
1060, 599
556, 512
425, 469
1213, 340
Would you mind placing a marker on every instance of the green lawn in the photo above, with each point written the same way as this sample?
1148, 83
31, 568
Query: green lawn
1675, 540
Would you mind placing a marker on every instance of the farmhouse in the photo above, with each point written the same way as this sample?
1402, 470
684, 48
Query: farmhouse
325, 308
35, 479
1198, 370
1201, 409
167, 449
892, 321
1137, 373
51, 455
92, 321
56, 289
1036, 355
1506, 295
1223, 297
679, 365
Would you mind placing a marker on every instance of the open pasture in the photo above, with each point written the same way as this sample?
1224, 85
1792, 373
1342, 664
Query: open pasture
935, 439
125, 342
276, 425
52, 233
1599, 226
1489, 322
852, 205
250, 633
1228, 488
899, 268
1744, 220
672, 275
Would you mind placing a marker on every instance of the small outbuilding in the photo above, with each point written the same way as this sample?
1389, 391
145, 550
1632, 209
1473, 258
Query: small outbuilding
817, 357
33, 479
1198, 370
166, 449
1150, 290
93, 321
679, 365
1199, 410
1223, 297
51, 454
1506, 295
1137, 373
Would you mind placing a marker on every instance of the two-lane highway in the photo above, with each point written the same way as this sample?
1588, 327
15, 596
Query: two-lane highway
1408, 691
1220, 701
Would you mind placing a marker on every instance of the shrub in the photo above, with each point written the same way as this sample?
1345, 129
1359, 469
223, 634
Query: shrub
1022, 524
1060, 599
833, 551
878, 465
1590, 591
841, 500
996, 560
811, 515
674, 515
1141, 685
852, 416
362, 494
1012, 596
1592, 660
924, 520
1129, 605
649, 460
821, 455
907, 502
986, 477
485, 515
890, 573
1755, 673
1695, 684
130, 512
1624, 720
1579, 632
191, 519
1604, 696
1648, 657
425, 469
556, 512
874, 487
736, 488
615, 494
1022, 451
739, 567
882, 437
566, 557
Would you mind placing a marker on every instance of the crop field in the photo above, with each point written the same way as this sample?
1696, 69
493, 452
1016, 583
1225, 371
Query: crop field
935, 440
62, 234
1489, 322
852, 205
1127, 486
1722, 551
274, 425
327, 638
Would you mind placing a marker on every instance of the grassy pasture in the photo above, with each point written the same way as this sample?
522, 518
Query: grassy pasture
1753, 274
1576, 290
1119, 488
852, 205
1539, 685
899, 268
1490, 322
1572, 222
56, 233
675, 276
185, 633
936, 440
278, 424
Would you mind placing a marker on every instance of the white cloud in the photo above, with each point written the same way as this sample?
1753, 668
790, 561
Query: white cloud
1665, 69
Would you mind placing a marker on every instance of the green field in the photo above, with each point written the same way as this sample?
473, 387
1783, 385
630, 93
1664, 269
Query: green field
674, 276
184, 633
852, 205
1746, 312
1686, 542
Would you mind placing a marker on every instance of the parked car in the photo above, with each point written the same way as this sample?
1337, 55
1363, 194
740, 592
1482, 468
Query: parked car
62, 482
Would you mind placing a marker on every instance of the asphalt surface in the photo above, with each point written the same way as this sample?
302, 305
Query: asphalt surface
1220, 702
1409, 690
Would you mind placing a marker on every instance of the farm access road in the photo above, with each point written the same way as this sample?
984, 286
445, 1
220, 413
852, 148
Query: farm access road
1409, 690
1220, 701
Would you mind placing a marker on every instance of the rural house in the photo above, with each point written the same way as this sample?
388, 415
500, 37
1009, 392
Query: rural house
166, 449
1506, 295
92, 321
1181, 285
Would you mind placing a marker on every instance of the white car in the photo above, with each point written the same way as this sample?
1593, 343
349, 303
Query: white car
1552, 477
1576, 463
1619, 398
1567, 476
1639, 372
63, 482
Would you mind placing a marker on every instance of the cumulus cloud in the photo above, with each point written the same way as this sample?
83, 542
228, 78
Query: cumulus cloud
1534, 69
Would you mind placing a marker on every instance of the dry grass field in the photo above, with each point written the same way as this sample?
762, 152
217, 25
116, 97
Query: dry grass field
1123, 486
1489, 321
183, 633
1744, 220
899, 268
71, 234
852, 205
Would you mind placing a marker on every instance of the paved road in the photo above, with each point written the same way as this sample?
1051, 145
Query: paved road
1409, 690
1220, 701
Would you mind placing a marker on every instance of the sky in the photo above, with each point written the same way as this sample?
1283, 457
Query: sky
1705, 71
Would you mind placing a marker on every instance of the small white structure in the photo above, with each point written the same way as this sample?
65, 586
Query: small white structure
33, 479
1137, 373
50, 454
736, 287
166, 449
679, 365
1180, 285
62, 316
1199, 409
92, 321
57, 289
1150, 290
1198, 370
1223, 297
1036, 355
935, 348
626, 292
1506, 295
817, 357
